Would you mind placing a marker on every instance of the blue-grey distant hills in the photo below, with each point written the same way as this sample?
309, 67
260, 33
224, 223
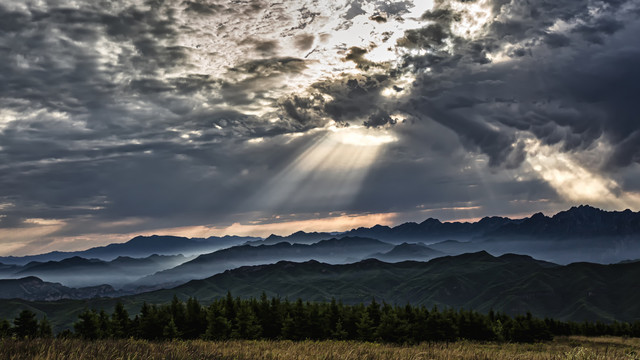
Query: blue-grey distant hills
139, 247
578, 222
80, 272
582, 233
335, 251
406, 251
299, 237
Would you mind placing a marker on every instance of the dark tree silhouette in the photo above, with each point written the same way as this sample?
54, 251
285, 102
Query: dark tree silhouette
25, 325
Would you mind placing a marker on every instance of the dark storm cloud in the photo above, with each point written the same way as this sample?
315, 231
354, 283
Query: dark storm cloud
379, 119
575, 93
353, 97
202, 7
442, 176
110, 118
258, 79
596, 29
86, 145
555, 40
496, 144
356, 54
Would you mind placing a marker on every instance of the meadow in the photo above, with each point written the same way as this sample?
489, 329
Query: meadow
574, 347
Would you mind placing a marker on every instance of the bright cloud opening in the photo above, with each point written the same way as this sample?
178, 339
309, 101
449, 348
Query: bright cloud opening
329, 172
574, 181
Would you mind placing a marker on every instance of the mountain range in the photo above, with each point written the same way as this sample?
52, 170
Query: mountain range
458, 264
346, 249
509, 283
139, 246
80, 272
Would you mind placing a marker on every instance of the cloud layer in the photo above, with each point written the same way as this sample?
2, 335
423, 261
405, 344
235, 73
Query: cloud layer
119, 117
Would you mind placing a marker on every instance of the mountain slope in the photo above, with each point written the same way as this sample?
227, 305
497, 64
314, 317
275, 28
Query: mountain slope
510, 283
332, 250
32, 288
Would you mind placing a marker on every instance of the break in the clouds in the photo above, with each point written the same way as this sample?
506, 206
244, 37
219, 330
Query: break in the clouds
131, 116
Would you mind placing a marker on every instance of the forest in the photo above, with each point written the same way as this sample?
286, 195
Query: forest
266, 318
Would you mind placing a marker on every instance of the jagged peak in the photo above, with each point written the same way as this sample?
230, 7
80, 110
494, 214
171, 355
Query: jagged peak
273, 236
538, 216
431, 221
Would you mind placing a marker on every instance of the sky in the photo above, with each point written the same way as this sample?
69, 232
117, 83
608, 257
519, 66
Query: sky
252, 117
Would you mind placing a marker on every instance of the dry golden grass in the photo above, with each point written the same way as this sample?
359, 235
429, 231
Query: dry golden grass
561, 348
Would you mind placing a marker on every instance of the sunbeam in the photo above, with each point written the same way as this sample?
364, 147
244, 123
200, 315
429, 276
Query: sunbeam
329, 173
576, 182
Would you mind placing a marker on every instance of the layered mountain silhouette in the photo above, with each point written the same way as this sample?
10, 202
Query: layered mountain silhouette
578, 222
406, 251
80, 272
455, 264
582, 233
138, 247
510, 283
332, 251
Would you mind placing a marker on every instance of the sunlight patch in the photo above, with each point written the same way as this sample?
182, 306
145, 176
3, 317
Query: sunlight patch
574, 181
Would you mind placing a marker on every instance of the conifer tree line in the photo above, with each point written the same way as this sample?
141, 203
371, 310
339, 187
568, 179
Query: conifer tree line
275, 319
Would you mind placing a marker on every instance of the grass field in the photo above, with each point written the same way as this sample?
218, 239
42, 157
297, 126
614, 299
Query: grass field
561, 348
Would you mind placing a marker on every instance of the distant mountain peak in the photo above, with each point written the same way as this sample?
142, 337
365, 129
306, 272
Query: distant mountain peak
538, 216
431, 221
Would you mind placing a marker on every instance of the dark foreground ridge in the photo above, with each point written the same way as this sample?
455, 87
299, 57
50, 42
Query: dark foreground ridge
510, 283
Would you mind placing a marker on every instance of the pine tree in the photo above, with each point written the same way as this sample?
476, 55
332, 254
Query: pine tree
44, 328
218, 327
170, 330
388, 330
339, 333
246, 324
25, 325
195, 320
87, 326
104, 325
365, 327
120, 322
289, 328
149, 325
178, 313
